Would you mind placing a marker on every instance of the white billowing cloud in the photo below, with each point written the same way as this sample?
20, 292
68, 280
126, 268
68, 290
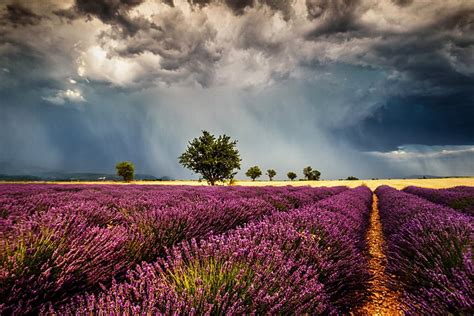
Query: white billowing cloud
208, 46
424, 152
428, 160
387, 16
52, 42
213, 44
94, 64
461, 59
63, 96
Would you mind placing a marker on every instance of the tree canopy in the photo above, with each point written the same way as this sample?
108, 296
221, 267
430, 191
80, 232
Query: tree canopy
254, 173
291, 175
126, 170
215, 159
271, 173
311, 174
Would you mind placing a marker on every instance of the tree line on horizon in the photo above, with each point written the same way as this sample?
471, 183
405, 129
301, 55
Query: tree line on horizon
216, 159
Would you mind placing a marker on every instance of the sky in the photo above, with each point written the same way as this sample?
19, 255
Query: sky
368, 88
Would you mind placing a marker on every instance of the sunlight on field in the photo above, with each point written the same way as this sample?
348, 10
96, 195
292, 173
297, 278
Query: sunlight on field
372, 184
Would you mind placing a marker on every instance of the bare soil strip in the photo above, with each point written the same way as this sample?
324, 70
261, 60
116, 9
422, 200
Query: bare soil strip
383, 301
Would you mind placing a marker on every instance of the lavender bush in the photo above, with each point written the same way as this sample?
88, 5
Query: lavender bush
304, 261
53, 255
56, 241
215, 278
429, 252
458, 198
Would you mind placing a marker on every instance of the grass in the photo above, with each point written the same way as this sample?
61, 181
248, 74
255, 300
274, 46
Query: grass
211, 276
437, 183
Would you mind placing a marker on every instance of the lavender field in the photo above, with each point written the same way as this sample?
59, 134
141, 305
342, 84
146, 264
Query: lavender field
136, 250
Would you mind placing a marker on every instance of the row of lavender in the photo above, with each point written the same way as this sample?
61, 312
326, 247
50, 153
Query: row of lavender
305, 261
21, 201
56, 241
113, 204
430, 253
458, 198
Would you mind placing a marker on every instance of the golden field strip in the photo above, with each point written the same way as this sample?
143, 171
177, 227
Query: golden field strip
372, 184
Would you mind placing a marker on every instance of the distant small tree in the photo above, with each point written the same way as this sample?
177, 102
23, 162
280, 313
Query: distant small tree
291, 175
254, 173
126, 170
311, 174
352, 178
271, 173
215, 159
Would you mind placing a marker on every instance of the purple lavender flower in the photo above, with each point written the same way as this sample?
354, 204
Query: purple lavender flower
303, 261
458, 198
429, 252
57, 241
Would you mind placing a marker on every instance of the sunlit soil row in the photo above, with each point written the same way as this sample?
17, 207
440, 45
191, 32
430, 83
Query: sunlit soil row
383, 300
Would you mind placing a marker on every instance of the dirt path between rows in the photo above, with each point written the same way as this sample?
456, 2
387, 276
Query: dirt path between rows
383, 301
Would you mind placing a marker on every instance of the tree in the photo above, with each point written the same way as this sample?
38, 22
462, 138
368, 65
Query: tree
291, 175
126, 170
311, 174
254, 173
271, 173
352, 178
214, 158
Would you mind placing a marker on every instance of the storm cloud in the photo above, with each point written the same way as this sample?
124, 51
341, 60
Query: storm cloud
18, 15
302, 82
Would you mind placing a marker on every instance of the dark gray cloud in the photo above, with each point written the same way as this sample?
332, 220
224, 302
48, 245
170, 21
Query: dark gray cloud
181, 46
435, 59
332, 16
429, 120
302, 82
113, 12
285, 7
27, 68
238, 6
460, 20
402, 3
169, 2
106, 10
195, 45
18, 15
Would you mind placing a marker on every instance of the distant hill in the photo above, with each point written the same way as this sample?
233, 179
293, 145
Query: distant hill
7, 177
423, 176
433, 177
11, 172
59, 176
